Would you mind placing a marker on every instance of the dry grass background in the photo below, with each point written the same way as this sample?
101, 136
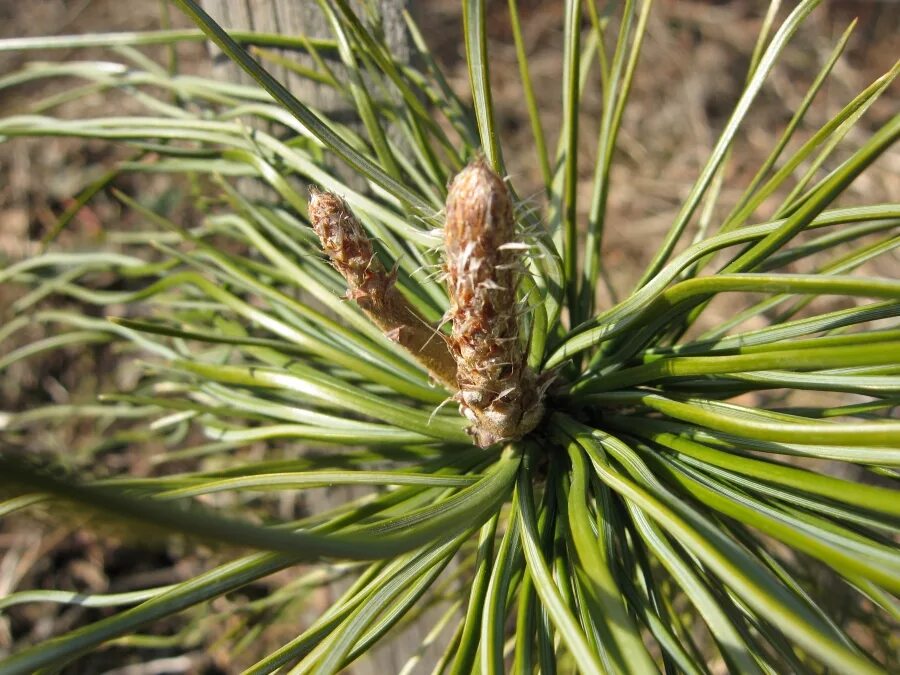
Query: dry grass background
694, 59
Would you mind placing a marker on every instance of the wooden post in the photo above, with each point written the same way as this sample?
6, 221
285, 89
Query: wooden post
293, 17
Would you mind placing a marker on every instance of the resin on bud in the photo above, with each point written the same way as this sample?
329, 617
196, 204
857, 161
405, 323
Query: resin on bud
372, 287
498, 392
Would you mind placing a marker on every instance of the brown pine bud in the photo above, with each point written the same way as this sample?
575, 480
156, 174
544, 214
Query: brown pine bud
498, 392
372, 287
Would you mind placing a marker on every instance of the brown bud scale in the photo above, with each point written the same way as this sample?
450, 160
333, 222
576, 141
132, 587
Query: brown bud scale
498, 392
372, 287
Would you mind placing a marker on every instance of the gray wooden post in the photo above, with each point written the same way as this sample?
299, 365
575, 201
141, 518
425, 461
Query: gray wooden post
293, 17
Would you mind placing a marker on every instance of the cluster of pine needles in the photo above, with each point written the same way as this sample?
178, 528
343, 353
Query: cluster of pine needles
647, 490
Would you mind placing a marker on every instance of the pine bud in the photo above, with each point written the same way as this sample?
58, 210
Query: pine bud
498, 392
372, 287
